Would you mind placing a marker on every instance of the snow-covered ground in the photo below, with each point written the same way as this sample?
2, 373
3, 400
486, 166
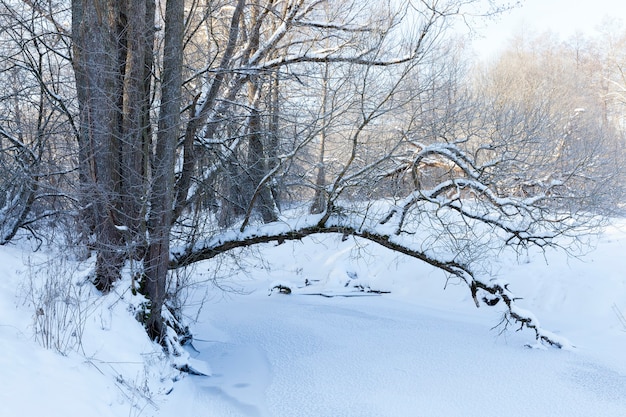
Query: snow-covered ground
418, 351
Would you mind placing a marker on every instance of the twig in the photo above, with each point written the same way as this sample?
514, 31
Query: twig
619, 315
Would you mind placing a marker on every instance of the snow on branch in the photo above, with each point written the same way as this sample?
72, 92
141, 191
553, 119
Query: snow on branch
483, 289
329, 56
497, 291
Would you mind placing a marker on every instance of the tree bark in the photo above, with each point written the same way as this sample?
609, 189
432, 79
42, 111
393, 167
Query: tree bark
162, 192
138, 33
94, 25
320, 198
257, 160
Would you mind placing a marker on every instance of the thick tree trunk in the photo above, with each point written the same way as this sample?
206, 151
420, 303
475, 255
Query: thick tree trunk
138, 32
113, 55
113, 43
162, 192
96, 68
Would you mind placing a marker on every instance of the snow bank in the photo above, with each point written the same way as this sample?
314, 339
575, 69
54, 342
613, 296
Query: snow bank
421, 350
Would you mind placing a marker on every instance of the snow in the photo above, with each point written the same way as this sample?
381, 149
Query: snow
420, 350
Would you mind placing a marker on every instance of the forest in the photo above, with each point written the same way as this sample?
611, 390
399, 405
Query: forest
151, 135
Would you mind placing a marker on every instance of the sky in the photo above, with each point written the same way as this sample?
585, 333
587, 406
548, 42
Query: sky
564, 17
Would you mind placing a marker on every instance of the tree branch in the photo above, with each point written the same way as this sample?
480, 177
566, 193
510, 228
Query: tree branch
492, 291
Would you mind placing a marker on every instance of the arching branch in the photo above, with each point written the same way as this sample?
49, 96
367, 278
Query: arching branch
483, 291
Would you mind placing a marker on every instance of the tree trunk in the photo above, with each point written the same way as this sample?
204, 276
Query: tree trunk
138, 32
320, 197
113, 55
274, 135
232, 201
257, 168
96, 68
162, 192
257, 160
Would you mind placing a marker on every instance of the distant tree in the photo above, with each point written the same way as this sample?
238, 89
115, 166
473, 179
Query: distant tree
545, 103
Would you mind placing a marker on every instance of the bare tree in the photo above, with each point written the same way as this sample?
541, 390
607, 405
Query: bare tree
113, 55
37, 130
162, 191
449, 175
113, 59
546, 105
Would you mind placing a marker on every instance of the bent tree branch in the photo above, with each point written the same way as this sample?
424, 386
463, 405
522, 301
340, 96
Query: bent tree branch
485, 291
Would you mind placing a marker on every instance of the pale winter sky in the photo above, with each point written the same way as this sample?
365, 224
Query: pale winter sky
565, 17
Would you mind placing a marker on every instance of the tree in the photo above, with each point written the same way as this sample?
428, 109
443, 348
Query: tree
37, 127
162, 191
551, 96
113, 56
125, 177
452, 222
